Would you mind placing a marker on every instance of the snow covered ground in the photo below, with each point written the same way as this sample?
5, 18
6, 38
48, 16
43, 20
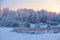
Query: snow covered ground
6, 34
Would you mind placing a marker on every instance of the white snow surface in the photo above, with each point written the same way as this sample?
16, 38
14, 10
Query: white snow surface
32, 25
6, 34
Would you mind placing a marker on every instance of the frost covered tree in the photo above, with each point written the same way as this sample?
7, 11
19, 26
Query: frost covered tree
23, 17
9, 17
44, 19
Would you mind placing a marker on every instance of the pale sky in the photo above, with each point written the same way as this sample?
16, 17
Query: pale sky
50, 5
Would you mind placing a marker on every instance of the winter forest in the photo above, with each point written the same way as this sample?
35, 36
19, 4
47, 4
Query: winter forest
26, 17
29, 19
23, 23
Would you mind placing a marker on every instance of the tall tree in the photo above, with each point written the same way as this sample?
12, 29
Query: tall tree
44, 19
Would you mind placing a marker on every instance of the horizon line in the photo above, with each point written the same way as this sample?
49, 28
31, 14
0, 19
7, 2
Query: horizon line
32, 9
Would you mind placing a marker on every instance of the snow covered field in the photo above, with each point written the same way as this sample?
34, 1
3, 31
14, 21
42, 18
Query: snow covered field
6, 34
